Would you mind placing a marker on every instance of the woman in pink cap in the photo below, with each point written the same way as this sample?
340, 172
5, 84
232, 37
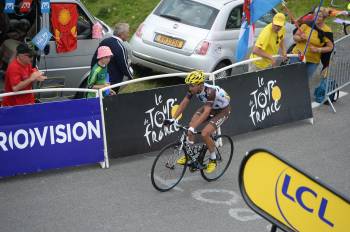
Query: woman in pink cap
98, 77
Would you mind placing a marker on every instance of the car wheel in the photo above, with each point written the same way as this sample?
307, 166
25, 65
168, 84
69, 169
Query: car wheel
222, 74
79, 95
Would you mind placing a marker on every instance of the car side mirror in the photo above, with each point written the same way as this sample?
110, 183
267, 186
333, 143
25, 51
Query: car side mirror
47, 49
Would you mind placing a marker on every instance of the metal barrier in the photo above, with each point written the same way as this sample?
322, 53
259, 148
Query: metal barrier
105, 163
338, 70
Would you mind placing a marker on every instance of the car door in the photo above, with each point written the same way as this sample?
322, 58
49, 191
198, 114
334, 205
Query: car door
75, 65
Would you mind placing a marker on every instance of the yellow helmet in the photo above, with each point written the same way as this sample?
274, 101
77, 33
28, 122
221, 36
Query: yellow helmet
196, 77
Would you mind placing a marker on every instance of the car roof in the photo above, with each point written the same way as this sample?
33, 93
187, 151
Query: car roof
216, 3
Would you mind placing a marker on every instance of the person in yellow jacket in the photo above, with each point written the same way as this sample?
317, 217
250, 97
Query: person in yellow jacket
320, 41
269, 42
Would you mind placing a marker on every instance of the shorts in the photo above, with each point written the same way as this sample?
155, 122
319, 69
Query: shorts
217, 116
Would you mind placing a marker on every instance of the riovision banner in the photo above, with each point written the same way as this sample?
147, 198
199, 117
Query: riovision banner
258, 100
50, 135
289, 197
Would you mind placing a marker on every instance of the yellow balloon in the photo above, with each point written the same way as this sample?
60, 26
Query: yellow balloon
173, 111
276, 93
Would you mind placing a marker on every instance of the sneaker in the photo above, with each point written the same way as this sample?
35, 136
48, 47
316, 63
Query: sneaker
211, 167
181, 160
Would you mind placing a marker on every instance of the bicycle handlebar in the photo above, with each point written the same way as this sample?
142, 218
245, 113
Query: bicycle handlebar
184, 128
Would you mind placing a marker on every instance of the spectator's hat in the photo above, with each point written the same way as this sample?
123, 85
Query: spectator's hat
23, 48
104, 51
279, 19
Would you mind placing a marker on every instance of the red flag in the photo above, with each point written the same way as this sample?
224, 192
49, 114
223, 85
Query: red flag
246, 10
25, 6
64, 19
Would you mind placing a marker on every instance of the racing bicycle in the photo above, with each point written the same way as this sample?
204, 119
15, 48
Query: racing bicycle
166, 173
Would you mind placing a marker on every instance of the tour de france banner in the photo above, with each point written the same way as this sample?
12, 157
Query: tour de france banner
289, 197
258, 100
134, 122
50, 135
267, 98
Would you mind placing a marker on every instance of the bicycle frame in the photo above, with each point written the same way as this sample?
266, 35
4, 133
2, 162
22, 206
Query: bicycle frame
195, 154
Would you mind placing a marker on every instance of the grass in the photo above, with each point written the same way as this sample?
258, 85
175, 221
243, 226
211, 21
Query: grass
134, 13
112, 11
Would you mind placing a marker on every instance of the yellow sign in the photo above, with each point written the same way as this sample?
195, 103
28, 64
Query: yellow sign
274, 188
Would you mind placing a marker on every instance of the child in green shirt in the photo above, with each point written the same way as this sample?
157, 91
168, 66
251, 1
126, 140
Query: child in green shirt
98, 77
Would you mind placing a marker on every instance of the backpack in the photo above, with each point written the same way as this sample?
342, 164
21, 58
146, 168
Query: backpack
320, 91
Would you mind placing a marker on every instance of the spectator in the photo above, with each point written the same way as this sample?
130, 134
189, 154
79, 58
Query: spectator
4, 26
98, 74
270, 40
20, 75
118, 67
320, 42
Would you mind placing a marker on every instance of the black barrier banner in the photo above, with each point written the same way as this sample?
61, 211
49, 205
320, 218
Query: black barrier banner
258, 100
267, 98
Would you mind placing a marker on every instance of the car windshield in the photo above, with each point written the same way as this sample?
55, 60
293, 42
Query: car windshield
188, 12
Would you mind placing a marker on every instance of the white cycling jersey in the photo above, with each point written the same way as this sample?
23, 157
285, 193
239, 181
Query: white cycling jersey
214, 96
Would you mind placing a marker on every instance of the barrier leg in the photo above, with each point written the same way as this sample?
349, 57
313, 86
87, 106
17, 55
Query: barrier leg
331, 104
273, 228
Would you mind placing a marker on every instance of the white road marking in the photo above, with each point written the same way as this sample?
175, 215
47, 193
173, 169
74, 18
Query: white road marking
198, 195
243, 214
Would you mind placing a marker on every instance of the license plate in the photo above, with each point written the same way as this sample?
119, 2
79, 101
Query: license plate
172, 42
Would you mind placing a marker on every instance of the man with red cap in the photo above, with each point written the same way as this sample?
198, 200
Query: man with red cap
20, 75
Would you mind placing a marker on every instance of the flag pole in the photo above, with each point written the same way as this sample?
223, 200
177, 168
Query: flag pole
313, 26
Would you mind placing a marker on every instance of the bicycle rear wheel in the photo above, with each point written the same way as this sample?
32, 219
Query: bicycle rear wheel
166, 173
224, 153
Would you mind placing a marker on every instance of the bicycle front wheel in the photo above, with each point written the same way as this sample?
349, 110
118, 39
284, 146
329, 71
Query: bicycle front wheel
166, 173
224, 153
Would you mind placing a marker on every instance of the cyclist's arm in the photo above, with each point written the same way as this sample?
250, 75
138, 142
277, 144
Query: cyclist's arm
182, 106
203, 116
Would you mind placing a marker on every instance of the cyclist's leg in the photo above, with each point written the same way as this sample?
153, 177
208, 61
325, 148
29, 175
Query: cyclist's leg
209, 129
214, 123
194, 118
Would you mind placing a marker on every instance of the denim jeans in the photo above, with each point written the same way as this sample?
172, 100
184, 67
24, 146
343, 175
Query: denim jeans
310, 67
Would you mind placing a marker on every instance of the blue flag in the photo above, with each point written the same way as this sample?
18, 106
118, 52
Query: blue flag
245, 40
42, 38
259, 8
45, 6
253, 11
9, 6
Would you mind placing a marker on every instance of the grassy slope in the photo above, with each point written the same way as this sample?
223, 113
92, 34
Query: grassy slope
134, 12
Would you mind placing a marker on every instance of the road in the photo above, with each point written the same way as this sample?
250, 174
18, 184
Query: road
122, 198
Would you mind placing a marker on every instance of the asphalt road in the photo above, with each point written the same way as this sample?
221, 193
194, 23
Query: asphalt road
122, 198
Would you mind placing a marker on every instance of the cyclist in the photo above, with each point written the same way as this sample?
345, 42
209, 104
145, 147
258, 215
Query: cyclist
215, 111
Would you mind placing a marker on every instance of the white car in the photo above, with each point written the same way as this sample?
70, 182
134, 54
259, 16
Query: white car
184, 35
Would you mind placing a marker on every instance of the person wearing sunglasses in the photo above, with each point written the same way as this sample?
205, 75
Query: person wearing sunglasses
269, 42
20, 76
215, 111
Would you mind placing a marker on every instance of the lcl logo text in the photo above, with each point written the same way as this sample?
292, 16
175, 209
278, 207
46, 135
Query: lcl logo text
298, 198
